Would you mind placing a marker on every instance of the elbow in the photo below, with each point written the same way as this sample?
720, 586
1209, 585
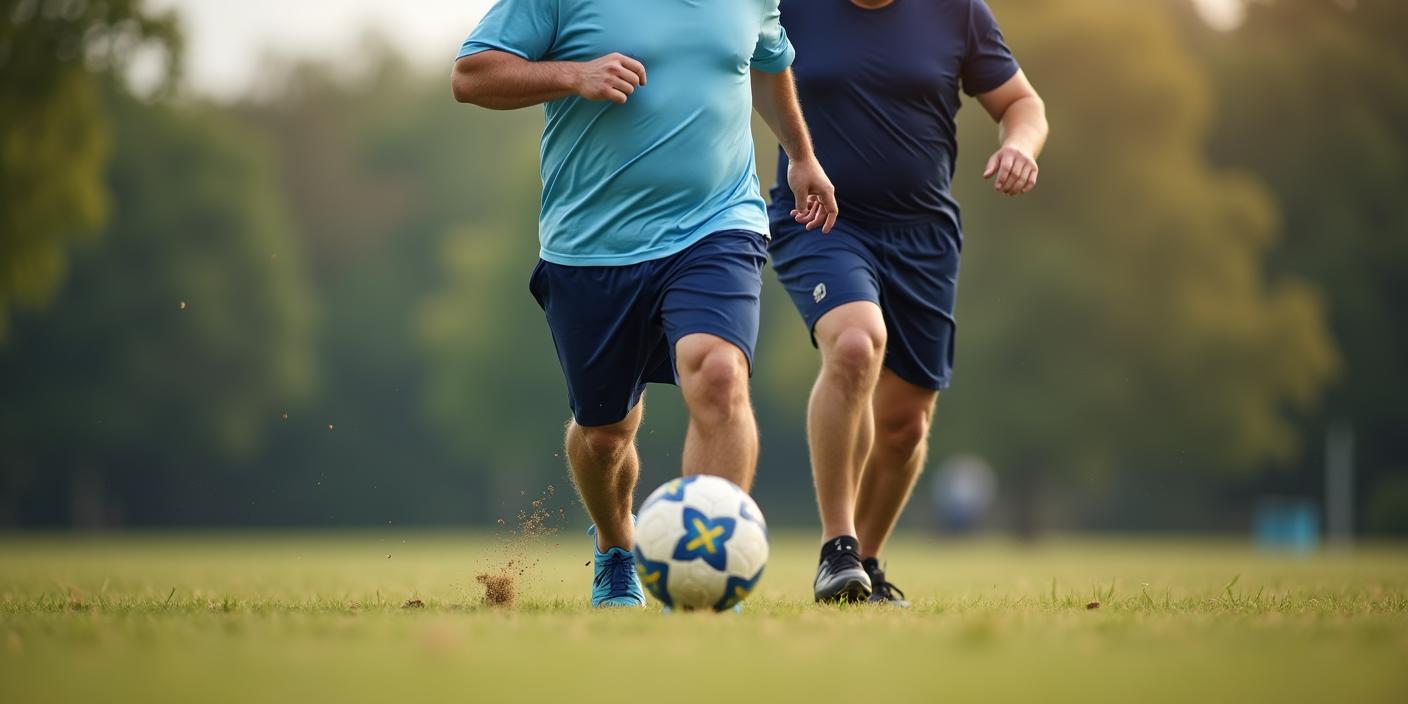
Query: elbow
1039, 107
464, 88
467, 81
1034, 104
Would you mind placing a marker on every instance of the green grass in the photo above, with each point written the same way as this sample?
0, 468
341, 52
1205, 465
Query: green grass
321, 618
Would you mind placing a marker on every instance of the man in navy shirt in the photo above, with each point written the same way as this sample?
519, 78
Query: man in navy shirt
881, 81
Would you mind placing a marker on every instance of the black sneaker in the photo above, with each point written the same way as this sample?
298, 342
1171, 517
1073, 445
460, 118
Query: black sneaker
882, 591
840, 576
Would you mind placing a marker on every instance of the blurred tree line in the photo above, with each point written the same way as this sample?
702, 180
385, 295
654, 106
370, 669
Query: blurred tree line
310, 307
56, 141
1313, 100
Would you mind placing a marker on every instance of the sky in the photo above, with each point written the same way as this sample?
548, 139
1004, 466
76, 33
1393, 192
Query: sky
226, 39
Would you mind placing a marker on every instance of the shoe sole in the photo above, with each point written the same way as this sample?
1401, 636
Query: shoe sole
618, 605
852, 591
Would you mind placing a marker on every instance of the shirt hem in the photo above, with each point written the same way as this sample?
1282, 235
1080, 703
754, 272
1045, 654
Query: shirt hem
650, 255
479, 46
776, 64
992, 84
778, 214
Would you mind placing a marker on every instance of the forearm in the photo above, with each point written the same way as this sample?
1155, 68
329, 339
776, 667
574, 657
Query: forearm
1023, 126
502, 81
775, 99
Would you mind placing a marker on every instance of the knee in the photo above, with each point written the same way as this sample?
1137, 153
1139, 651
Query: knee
606, 441
855, 354
903, 434
719, 384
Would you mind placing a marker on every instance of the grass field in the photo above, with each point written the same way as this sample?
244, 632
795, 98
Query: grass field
275, 617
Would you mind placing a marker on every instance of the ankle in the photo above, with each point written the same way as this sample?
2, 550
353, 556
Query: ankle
830, 532
623, 539
839, 544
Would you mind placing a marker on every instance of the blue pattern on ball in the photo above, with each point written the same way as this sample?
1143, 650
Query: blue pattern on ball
671, 491
737, 589
705, 539
654, 576
748, 516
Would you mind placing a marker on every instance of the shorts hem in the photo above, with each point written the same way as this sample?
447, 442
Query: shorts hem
942, 384
725, 336
636, 398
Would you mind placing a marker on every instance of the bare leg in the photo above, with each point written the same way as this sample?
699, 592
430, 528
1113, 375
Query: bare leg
723, 436
839, 425
604, 467
903, 415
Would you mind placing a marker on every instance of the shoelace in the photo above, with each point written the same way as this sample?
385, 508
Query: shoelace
844, 560
617, 573
885, 589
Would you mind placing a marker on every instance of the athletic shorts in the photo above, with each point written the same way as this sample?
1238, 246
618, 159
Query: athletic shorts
910, 271
615, 327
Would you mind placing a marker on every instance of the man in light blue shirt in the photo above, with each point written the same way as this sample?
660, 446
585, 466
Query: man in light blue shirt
652, 228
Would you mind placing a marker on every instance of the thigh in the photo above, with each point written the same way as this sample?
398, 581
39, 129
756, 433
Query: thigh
714, 288
822, 272
919, 288
607, 337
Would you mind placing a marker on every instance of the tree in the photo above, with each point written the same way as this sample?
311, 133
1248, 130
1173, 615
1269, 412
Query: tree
1314, 100
393, 185
54, 138
493, 385
181, 336
1121, 319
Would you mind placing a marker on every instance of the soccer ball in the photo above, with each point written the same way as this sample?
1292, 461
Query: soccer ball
701, 543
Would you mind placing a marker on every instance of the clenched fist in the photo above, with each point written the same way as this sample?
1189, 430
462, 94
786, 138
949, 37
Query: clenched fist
612, 77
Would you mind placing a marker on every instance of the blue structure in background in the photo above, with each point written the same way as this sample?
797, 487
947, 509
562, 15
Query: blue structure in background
1287, 524
963, 490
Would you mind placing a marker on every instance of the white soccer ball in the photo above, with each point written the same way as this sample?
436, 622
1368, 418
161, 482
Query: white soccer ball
701, 543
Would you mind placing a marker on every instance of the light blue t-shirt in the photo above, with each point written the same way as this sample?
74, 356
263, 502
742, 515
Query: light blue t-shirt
624, 184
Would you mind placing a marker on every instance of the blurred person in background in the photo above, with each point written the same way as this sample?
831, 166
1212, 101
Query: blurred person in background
653, 230
881, 81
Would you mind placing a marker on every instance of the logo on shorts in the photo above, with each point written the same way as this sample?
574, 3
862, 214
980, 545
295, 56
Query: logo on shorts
819, 292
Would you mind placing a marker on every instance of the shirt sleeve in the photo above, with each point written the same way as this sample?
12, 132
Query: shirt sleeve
526, 28
988, 63
774, 52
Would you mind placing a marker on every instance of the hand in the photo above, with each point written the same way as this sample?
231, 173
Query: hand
816, 197
612, 77
1015, 170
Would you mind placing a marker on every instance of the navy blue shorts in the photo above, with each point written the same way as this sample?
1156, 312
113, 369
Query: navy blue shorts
910, 271
615, 327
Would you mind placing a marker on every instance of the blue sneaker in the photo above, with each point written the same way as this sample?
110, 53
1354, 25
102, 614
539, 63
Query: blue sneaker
616, 582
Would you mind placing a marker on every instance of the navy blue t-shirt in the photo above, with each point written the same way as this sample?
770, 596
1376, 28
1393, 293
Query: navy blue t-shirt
880, 92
